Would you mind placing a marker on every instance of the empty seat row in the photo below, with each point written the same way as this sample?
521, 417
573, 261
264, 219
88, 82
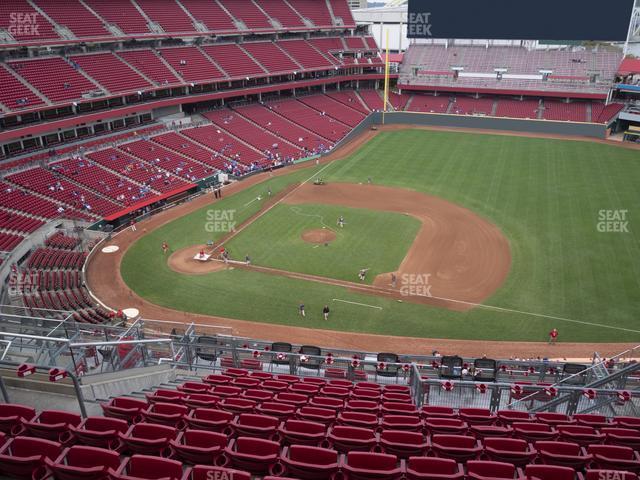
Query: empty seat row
24, 457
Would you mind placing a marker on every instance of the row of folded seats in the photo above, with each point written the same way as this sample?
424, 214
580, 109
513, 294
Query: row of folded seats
64, 446
54, 258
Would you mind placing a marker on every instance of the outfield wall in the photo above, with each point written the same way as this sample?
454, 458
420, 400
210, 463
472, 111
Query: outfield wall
548, 127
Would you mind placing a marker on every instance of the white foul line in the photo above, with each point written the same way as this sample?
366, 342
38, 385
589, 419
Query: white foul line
356, 303
522, 312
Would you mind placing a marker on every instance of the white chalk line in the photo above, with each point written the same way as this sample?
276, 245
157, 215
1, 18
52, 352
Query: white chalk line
356, 303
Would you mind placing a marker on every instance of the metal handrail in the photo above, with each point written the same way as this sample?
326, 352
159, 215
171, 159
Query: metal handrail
583, 372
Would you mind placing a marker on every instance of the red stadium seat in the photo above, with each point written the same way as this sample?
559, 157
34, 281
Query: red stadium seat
303, 388
430, 468
198, 447
257, 395
22, 457
302, 432
165, 396
364, 406
226, 391
327, 402
370, 466
144, 467
314, 414
428, 411
487, 431
453, 426
580, 434
402, 422
458, 447
255, 455
625, 437
403, 444
549, 472
147, 438
511, 450
194, 387
366, 394
477, 416
200, 400
12, 415
563, 454
295, 399
358, 419
99, 432
50, 424
217, 379
166, 414
251, 425
627, 422
124, 408
591, 420
83, 463
275, 409
613, 457
237, 405
554, 419
245, 382
484, 470
511, 416
348, 439
311, 463
209, 419
398, 408
275, 386
532, 431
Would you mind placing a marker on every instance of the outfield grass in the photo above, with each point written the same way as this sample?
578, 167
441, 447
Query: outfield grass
545, 195
375, 240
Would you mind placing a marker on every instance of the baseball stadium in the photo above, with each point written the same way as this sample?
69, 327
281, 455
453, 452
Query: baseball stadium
319, 239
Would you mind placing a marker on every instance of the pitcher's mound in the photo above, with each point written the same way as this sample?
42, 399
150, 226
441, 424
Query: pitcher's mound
319, 235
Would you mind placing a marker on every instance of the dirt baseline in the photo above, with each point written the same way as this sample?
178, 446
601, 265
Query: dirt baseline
457, 256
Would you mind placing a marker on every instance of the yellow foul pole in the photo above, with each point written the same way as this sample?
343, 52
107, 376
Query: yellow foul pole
386, 79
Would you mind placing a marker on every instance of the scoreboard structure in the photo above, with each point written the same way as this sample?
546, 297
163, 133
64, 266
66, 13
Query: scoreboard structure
577, 20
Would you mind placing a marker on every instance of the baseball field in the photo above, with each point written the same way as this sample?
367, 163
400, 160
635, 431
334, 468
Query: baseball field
490, 237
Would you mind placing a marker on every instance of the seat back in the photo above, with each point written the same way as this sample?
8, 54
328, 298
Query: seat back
204, 472
372, 461
432, 465
549, 472
612, 451
88, 457
493, 470
148, 467
256, 446
313, 455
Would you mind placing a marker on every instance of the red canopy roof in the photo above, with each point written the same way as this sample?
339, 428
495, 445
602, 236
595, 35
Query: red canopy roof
629, 65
